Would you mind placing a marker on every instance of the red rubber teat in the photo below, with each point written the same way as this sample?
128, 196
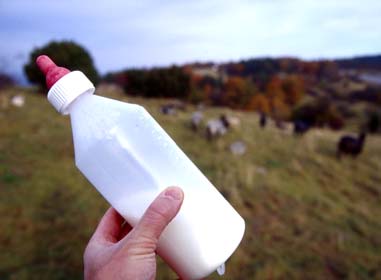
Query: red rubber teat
51, 71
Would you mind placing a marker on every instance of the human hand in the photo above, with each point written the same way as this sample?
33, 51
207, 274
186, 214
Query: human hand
117, 251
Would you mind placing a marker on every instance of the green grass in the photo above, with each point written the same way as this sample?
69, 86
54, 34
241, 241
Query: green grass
308, 215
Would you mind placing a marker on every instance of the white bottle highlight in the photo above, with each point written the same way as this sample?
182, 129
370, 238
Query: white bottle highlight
130, 159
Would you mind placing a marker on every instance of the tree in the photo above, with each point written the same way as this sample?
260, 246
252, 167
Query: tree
259, 103
156, 82
66, 54
274, 88
279, 109
293, 88
237, 92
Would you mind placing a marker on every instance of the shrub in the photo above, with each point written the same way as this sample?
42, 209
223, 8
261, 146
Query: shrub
319, 112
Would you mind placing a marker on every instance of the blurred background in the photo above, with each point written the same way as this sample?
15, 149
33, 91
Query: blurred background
277, 102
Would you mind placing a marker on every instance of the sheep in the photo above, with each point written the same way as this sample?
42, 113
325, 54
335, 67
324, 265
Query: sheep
374, 123
18, 101
215, 127
262, 120
168, 109
173, 107
218, 127
230, 121
225, 120
301, 127
351, 145
196, 120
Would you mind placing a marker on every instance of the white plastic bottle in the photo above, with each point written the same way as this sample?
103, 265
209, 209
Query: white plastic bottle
130, 159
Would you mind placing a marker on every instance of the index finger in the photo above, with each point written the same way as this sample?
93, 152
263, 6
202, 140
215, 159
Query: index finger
110, 227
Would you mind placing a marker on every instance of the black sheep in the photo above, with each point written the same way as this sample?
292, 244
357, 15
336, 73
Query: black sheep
225, 121
263, 120
301, 127
351, 145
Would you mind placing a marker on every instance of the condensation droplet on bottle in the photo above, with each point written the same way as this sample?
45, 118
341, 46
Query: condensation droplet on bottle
221, 269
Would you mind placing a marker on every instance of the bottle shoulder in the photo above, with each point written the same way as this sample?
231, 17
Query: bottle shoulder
95, 117
94, 108
89, 102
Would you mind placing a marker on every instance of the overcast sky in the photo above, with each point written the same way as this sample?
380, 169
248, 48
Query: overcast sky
144, 33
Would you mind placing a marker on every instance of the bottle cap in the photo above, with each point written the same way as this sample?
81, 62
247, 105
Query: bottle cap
64, 86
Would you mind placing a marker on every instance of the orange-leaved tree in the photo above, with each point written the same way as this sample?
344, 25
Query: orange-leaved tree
293, 88
260, 103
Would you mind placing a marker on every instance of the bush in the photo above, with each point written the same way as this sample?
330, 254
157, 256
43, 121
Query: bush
335, 119
320, 112
66, 54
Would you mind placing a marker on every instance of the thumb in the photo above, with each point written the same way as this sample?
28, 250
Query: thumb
158, 215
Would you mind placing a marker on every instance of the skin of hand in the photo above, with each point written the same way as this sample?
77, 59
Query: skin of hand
117, 251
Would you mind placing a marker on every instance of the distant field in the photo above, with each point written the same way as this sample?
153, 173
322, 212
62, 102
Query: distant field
308, 215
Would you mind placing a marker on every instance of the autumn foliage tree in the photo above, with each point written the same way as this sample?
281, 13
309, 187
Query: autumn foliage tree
293, 88
237, 92
283, 94
260, 103
272, 86
202, 88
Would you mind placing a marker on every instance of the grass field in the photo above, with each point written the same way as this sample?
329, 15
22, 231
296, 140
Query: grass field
308, 215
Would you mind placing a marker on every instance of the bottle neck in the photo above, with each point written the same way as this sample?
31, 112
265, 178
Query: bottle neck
62, 94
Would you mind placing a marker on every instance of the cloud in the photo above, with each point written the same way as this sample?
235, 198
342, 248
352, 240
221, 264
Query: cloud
145, 33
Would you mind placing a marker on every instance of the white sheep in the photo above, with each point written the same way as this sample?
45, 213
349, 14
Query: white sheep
215, 127
196, 120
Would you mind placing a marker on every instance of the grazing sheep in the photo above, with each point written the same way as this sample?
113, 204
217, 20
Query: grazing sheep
262, 120
351, 145
374, 123
196, 120
215, 127
168, 109
230, 121
301, 127
225, 121
173, 107
18, 101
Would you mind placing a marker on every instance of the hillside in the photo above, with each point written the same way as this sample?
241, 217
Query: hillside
308, 215
369, 62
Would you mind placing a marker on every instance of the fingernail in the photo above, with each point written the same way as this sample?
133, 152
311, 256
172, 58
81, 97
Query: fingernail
174, 193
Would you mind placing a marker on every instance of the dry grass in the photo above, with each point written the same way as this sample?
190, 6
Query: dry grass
308, 216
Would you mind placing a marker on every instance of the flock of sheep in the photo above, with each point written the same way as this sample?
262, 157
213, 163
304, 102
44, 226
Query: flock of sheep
347, 144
